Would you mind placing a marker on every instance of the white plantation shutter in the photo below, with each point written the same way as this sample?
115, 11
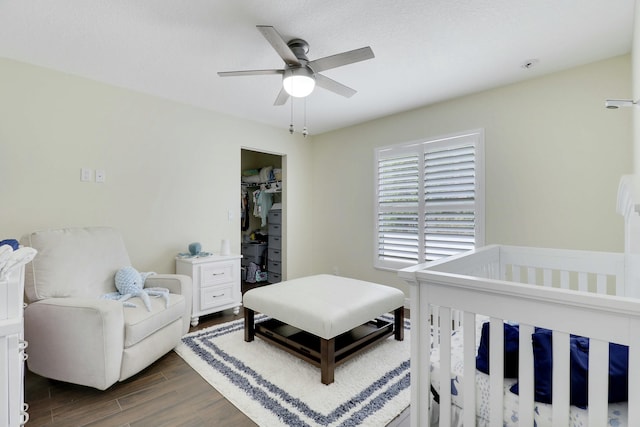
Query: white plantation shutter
398, 214
449, 194
429, 200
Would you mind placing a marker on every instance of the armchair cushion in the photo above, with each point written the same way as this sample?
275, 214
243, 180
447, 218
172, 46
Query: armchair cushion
74, 262
140, 323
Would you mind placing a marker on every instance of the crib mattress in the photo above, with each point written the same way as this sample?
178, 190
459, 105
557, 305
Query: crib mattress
578, 416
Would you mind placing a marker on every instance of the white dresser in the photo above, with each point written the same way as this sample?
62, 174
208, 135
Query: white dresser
13, 410
216, 283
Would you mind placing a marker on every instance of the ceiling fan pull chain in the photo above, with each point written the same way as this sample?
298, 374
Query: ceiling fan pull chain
291, 122
304, 128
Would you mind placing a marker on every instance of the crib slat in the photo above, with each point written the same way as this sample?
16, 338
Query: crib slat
564, 279
634, 373
435, 313
4, 388
424, 355
525, 376
420, 356
469, 335
601, 284
515, 273
445, 366
547, 277
620, 285
598, 382
494, 271
456, 317
583, 281
531, 275
496, 371
560, 379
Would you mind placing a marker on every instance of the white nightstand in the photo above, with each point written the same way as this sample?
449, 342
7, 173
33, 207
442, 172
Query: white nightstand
216, 283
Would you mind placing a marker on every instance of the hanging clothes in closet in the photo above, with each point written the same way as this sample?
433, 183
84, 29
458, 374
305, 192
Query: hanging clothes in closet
244, 205
262, 202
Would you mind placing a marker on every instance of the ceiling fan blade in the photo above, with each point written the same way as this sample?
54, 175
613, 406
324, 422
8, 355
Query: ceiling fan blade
277, 42
340, 59
249, 73
282, 98
335, 87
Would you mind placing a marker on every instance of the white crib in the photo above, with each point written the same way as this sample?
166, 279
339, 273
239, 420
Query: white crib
590, 294
13, 410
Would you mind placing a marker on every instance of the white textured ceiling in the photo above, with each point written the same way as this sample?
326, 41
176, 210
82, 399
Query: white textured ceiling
426, 50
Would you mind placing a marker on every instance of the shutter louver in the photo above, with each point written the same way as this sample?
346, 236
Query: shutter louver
398, 236
449, 194
398, 201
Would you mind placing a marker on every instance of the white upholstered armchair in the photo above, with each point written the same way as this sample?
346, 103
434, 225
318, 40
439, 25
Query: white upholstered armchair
76, 336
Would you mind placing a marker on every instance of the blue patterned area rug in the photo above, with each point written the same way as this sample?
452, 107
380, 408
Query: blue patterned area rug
274, 388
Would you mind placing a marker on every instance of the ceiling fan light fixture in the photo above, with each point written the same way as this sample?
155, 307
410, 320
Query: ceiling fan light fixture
298, 82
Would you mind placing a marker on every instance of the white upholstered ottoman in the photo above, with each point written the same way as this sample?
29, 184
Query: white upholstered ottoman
324, 319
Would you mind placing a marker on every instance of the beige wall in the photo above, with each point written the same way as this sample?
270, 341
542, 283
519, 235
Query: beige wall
172, 171
554, 156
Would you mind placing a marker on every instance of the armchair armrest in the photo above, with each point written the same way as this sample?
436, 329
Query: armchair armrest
78, 340
177, 284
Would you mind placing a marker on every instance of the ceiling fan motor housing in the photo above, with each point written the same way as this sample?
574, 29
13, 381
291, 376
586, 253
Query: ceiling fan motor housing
300, 48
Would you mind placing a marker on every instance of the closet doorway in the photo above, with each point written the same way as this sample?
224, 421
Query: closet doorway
261, 221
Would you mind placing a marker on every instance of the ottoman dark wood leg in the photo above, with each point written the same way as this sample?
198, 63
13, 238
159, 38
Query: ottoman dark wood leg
398, 324
327, 360
249, 325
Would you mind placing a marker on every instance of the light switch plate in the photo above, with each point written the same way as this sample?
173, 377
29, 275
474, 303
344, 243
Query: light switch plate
85, 174
100, 175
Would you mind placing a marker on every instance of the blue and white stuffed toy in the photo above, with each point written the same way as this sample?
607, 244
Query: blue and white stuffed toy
130, 283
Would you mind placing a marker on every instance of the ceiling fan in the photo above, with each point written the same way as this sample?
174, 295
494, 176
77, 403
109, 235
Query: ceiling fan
300, 75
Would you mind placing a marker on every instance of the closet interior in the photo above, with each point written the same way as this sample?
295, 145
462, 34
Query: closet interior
261, 218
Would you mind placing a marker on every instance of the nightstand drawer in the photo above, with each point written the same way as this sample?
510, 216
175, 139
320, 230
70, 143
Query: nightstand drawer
216, 274
215, 296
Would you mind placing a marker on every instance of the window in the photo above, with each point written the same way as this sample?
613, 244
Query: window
429, 199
